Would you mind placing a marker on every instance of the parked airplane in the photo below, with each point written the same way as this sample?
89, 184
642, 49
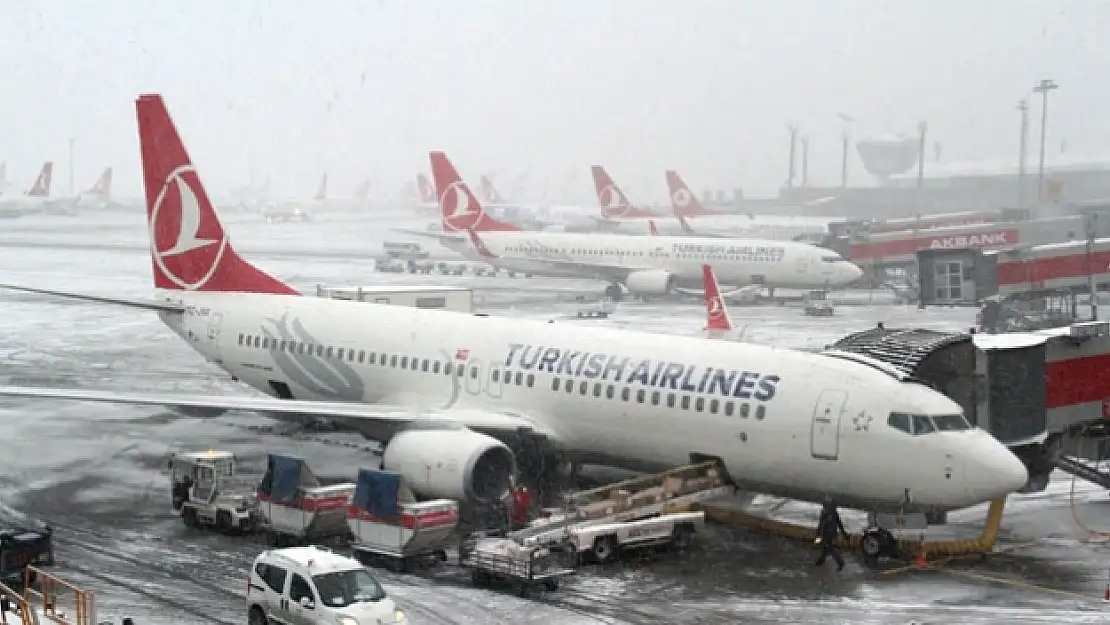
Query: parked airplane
99, 195
644, 265
782, 422
618, 215
35, 200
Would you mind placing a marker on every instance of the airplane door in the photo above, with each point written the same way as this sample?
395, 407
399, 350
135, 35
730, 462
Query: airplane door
824, 438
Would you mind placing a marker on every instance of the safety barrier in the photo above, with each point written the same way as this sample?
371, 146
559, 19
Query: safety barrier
54, 594
938, 548
13, 602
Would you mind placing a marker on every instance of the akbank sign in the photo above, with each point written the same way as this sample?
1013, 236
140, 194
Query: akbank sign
963, 241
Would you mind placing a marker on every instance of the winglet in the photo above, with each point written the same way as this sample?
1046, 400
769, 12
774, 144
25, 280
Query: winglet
188, 245
717, 319
479, 245
652, 228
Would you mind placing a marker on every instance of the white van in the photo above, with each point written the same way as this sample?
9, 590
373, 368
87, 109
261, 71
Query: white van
312, 585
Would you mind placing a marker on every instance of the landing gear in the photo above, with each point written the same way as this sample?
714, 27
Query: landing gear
614, 292
876, 543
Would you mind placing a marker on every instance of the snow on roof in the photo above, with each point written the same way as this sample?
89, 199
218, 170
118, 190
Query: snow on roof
1011, 340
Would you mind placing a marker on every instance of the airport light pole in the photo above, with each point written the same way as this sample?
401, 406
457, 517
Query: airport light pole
1023, 106
805, 161
922, 126
72, 140
1043, 87
844, 159
793, 146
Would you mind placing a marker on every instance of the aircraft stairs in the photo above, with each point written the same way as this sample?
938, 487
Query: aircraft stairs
1082, 470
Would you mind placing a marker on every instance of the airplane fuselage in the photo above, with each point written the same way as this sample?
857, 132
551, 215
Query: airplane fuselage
783, 422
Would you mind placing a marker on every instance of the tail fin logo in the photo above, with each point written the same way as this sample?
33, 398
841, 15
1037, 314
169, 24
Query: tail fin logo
716, 309
612, 202
682, 198
185, 257
459, 213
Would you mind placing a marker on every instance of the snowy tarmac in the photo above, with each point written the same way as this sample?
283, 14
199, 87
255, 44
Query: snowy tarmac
95, 470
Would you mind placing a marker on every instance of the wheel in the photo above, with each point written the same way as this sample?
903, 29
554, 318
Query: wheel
876, 542
189, 516
257, 616
605, 549
683, 537
551, 584
223, 521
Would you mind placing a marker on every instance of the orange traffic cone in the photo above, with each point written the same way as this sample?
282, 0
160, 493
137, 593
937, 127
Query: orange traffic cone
1106, 597
920, 560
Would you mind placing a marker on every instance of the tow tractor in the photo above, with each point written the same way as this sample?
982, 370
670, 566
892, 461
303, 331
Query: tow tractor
386, 521
506, 560
817, 304
651, 510
211, 497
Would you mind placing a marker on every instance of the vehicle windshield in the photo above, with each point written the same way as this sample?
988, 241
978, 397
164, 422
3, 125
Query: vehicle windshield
341, 589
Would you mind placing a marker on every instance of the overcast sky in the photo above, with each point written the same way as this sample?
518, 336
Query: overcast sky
542, 88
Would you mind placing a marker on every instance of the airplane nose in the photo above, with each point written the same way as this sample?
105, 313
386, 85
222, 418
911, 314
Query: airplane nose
993, 471
852, 272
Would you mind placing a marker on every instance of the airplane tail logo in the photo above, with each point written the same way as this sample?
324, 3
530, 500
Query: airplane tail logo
322, 190
488, 191
614, 203
460, 209
189, 248
41, 188
425, 188
103, 186
717, 319
683, 201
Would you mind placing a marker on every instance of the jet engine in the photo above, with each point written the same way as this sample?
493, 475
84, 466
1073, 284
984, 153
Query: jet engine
458, 464
650, 282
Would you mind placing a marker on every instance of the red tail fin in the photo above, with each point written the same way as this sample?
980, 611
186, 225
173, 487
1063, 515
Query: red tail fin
41, 188
322, 190
460, 209
427, 191
614, 203
103, 186
683, 201
653, 230
717, 319
188, 245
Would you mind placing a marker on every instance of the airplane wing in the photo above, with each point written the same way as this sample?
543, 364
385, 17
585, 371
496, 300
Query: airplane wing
433, 234
376, 422
166, 306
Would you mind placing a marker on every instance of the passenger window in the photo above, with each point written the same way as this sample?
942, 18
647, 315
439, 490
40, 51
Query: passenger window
474, 373
670, 400
435, 369
281, 346
625, 394
714, 405
900, 421
531, 379
655, 398
272, 576
922, 425
554, 381
404, 362
729, 407
240, 339
392, 361
299, 589
460, 370
319, 350
685, 402
610, 391
640, 395
597, 389
497, 377
414, 363
582, 388
424, 365
340, 353
329, 352
699, 404
257, 341
381, 359
362, 356
351, 355
519, 378
760, 412
744, 409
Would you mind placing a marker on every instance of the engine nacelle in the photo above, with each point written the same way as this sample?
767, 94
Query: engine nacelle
650, 282
458, 464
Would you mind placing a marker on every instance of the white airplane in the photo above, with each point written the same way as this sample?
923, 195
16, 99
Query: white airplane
782, 422
618, 215
34, 200
644, 265
97, 196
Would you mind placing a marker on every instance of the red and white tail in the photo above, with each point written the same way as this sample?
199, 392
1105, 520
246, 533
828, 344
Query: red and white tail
460, 209
103, 186
717, 320
613, 202
41, 188
427, 191
653, 230
322, 190
488, 191
683, 201
188, 245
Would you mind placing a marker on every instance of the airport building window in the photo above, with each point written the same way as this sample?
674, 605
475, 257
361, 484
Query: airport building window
714, 405
670, 400
760, 412
554, 381
519, 378
597, 389
685, 402
351, 355
729, 408
610, 391
531, 379
265, 343
582, 388
699, 404
625, 394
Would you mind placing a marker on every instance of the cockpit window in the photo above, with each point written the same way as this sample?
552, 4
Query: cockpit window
900, 421
831, 259
922, 424
951, 423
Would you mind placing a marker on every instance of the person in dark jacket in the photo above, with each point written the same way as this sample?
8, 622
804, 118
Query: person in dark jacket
181, 492
828, 527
